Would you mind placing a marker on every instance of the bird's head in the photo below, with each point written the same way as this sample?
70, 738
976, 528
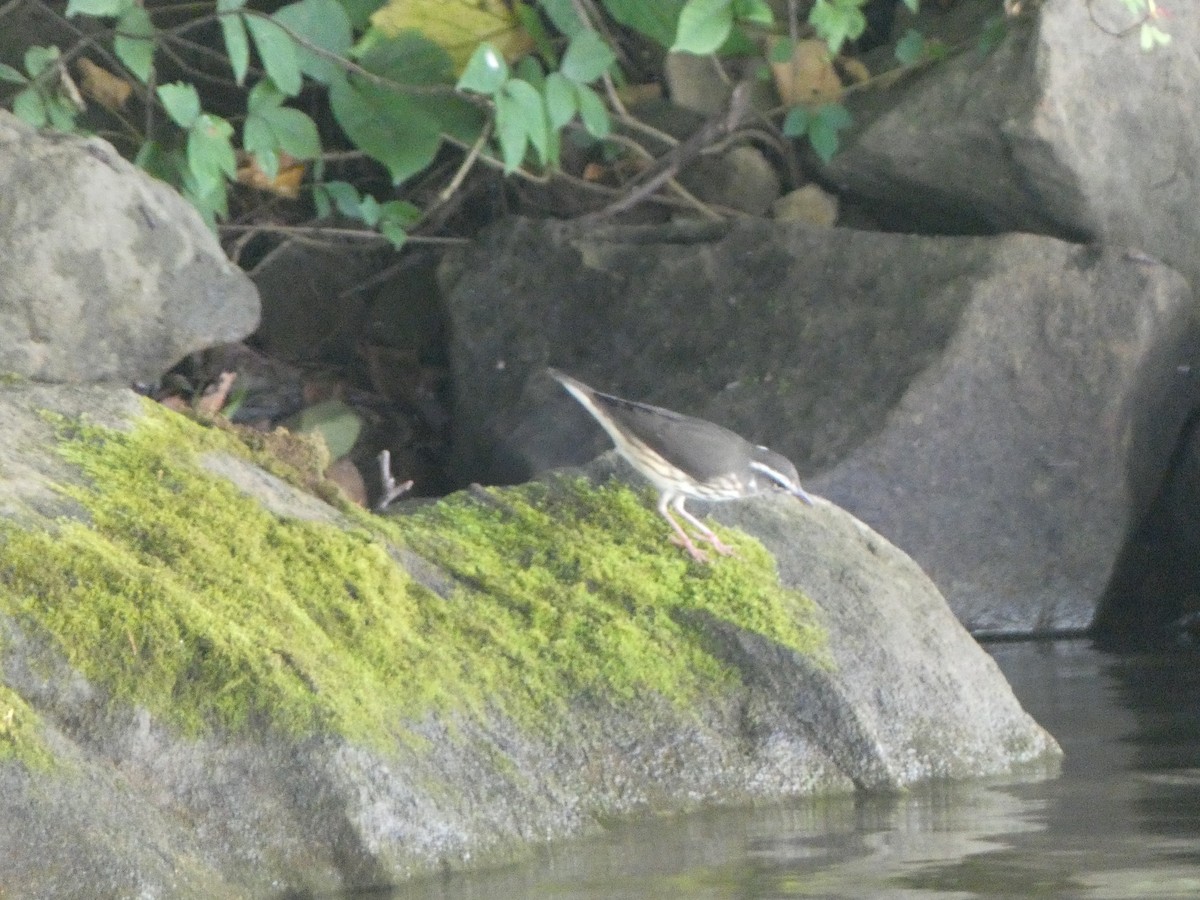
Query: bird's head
776, 472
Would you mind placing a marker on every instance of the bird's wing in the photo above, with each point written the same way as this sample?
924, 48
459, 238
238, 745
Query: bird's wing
702, 449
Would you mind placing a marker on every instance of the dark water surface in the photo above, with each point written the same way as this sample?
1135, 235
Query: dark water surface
1122, 820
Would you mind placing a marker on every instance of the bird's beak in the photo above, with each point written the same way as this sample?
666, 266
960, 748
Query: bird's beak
803, 495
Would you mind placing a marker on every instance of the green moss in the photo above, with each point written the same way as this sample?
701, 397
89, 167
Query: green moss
20, 732
186, 596
582, 592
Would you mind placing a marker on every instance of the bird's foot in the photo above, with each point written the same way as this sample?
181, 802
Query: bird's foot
719, 545
693, 551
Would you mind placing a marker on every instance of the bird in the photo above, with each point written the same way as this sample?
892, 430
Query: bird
685, 458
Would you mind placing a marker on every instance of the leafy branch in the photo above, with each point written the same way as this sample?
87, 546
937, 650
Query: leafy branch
267, 104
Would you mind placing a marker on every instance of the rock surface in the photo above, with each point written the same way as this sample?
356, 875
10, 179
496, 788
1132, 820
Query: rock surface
1066, 128
1002, 408
893, 692
108, 275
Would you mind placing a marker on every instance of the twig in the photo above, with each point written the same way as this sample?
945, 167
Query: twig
468, 163
670, 163
391, 490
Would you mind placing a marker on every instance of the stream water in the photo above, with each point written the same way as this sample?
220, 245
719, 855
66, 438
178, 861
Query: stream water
1121, 821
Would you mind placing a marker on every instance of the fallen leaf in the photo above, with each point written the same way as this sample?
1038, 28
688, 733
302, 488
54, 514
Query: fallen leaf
109, 90
808, 77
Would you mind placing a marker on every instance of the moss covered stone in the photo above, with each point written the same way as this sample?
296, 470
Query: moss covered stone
185, 595
20, 736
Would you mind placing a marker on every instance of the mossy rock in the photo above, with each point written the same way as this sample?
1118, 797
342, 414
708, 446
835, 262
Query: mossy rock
235, 679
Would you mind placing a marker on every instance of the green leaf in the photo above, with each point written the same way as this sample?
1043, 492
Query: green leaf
910, 48
237, 44
97, 7
781, 51
368, 210
394, 232
835, 115
658, 20
410, 58
359, 12
134, 42
324, 24
8, 73
510, 132
823, 139
61, 113
565, 17
337, 422
587, 58
211, 201
757, 11
393, 128
703, 26
823, 128
401, 130
837, 22
529, 68
259, 140
401, 212
181, 102
156, 160
486, 71
795, 123
592, 111
263, 96
29, 108
295, 133
396, 216
526, 104
39, 59
344, 196
210, 153
561, 104
277, 52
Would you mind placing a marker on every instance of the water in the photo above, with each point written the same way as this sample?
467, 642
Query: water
1122, 820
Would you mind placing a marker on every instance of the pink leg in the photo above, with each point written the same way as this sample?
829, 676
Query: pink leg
705, 532
681, 537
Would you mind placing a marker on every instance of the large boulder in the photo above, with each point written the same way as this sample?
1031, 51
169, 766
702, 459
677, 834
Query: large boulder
214, 684
1002, 408
107, 274
1067, 127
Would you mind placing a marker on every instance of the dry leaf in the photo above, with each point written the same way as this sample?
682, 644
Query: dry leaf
457, 26
285, 184
345, 475
808, 77
107, 89
853, 70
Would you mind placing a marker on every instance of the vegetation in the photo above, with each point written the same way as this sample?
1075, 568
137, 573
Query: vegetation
292, 101
182, 595
233, 94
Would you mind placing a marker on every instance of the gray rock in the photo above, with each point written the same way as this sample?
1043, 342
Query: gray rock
108, 275
1001, 408
1067, 128
135, 807
740, 178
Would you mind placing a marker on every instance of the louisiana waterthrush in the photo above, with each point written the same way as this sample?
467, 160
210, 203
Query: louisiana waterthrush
685, 457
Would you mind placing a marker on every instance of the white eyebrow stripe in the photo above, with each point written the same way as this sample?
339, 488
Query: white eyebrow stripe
771, 473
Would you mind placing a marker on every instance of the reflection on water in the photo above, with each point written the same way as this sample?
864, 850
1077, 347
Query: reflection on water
1123, 820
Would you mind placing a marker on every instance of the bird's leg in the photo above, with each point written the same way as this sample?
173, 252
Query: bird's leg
705, 532
681, 538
